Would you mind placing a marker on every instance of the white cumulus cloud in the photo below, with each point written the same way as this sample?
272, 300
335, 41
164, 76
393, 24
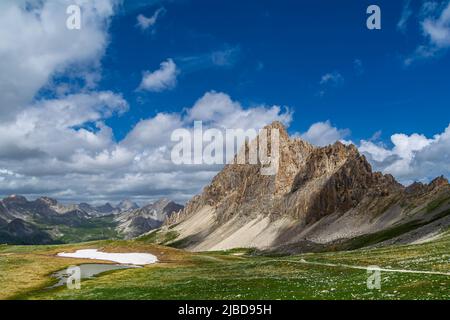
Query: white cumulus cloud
165, 78
323, 134
217, 109
412, 157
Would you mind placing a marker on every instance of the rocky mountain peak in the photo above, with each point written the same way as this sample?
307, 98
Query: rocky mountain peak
106, 208
438, 182
281, 129
310, 182
127, 205
419, 187
15, 198
318, 194
47, 201
161, 202
415, 187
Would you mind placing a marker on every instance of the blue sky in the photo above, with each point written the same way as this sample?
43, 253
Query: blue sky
280, 52
86, 114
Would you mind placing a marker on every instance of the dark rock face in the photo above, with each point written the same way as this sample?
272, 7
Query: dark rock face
20, 207
140, 225
348, 179
3, 222
22, 232
107, 208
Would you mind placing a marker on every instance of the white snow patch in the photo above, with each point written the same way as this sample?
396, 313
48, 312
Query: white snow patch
123, 258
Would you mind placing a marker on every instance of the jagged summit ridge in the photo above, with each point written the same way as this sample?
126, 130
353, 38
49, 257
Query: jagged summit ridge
313, 192
309, 181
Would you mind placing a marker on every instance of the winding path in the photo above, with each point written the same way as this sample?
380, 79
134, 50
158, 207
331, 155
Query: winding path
372, 268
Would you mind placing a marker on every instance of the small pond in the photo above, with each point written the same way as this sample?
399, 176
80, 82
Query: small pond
88, 270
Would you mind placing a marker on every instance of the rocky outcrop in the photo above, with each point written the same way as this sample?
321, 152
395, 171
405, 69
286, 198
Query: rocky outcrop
310, 183
438, 183
313, 186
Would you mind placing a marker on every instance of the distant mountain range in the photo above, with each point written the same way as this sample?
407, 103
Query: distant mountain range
45, 221
321, 198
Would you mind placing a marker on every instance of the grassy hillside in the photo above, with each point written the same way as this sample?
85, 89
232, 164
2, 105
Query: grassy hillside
94, 229
236, 274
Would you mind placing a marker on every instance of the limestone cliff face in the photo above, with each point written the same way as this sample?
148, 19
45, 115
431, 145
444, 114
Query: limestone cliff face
241, 189
336, 179
311, 184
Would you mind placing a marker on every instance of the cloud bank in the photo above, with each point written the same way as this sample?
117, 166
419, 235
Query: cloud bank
64, 149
